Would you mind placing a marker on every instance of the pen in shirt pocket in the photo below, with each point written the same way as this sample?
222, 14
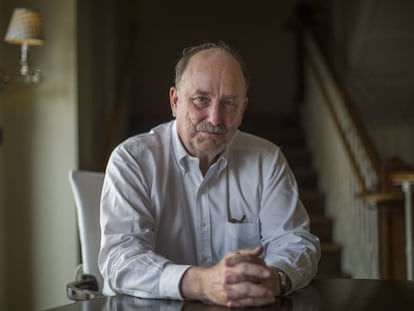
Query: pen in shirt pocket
238, 221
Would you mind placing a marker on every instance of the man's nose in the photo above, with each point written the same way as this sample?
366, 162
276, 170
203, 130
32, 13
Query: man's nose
214, 114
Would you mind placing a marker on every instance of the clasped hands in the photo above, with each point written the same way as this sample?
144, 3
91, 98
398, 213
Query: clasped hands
240, 279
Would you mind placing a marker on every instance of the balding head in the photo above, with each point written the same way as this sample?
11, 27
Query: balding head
188, 53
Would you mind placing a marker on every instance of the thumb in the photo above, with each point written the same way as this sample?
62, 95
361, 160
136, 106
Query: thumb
250, 251
243, 255
257, 251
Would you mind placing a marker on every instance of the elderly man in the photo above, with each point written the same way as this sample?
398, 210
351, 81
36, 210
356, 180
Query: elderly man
196, 209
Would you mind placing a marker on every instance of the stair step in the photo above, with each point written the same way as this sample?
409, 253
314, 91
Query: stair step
322, 226
330, 263
297, 156
256, 122
306, 177
285, 139
283, 130
313, 200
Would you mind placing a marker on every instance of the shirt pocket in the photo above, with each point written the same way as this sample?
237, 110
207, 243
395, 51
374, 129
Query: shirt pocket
241, 235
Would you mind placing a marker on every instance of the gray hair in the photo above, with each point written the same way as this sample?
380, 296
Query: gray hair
191, 51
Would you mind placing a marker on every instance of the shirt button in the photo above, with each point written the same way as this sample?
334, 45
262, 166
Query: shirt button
203, 259
203, 225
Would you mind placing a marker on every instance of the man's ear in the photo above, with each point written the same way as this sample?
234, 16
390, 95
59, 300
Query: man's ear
173, 100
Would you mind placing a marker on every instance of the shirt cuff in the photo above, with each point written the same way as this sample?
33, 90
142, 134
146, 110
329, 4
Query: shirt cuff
169, 286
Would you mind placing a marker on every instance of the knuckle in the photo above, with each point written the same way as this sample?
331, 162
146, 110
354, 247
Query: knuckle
227, 271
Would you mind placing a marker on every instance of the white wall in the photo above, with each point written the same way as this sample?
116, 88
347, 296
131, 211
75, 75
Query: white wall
2, 232
39, 149
2, 220
394, 140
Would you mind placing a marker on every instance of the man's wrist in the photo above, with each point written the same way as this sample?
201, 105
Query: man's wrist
191, 283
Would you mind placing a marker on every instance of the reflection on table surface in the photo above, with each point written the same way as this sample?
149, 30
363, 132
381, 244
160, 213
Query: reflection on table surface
323, 294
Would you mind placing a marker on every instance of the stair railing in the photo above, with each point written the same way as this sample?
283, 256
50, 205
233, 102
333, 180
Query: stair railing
345, 161
370, 224
362, 155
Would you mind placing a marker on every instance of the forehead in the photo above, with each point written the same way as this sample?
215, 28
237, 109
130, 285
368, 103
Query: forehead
212, 57
216, 65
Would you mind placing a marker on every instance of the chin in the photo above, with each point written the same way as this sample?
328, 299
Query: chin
212, 150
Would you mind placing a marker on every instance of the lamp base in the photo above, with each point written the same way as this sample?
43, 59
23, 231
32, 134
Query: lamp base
31, 77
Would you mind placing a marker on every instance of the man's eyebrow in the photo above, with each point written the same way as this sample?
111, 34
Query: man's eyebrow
230, 97
201, 92
206, 93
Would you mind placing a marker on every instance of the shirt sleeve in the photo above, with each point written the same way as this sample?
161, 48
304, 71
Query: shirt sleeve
288, 243
127, 259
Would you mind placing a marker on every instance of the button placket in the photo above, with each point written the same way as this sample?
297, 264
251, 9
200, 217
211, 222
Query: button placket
204, 247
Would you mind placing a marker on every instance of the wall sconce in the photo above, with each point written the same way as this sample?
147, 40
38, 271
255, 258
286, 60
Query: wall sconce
24, 29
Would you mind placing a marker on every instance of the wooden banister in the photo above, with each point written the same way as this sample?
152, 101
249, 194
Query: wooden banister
306, 24
314, 65
384, 197
388, 199
402, 176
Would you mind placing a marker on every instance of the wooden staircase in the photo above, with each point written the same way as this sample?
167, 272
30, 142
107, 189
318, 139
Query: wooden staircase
288, 134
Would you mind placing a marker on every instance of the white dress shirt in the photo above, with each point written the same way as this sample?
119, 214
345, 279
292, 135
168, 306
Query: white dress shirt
160, 215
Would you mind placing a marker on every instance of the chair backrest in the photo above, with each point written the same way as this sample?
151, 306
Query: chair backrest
87, 187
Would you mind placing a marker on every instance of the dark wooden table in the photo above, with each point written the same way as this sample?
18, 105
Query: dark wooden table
322, 294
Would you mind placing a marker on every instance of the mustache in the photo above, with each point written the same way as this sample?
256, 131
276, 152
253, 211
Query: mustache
208, 127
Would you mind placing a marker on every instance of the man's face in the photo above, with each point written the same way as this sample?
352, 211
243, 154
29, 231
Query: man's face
209, 102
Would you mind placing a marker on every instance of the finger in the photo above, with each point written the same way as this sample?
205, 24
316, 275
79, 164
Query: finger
235, 260
244, 256
252, 251
247, 289
234, 279
250, 302
248, 294
247, 272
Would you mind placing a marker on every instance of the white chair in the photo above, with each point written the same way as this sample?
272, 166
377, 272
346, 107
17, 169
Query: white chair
87, 187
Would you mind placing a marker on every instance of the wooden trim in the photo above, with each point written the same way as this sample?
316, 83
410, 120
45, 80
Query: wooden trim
391, 237
314, 67
402, 176
382, 197
366, 141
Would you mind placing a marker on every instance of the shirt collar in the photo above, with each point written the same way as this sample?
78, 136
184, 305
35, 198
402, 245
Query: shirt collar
179, 150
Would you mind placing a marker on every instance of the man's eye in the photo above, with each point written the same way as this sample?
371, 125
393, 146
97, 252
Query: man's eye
230, 104
200, 100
